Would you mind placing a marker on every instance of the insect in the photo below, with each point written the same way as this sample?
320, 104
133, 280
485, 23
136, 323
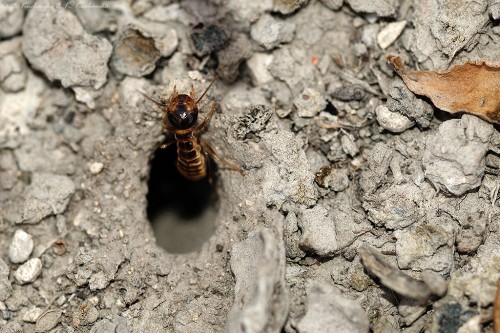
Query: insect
180, 117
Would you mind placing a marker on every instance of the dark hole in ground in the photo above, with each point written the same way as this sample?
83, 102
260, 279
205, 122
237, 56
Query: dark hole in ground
182, 213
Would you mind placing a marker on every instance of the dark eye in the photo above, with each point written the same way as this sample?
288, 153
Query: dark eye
183, 117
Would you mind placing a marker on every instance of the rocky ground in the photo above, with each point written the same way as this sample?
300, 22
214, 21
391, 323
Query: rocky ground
362, 209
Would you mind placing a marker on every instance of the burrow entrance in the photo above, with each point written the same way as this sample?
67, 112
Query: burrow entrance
182, 213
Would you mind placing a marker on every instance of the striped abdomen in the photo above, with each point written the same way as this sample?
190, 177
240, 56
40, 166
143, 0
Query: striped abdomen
190, 159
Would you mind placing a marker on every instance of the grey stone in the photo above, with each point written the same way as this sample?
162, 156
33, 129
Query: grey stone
32, 314
29, 271
495, 10
48, 194
56, 44
426, 246
348, 145
206, 39
392, 121
442, 30
248, 11
258, 67
395, 207
11, 19
402, 100
5, 285
454, 157
13, 74
21, 247
333, 4
328, 311
390, 33
261, 296
288, 6
135, 53
168, 43
253, 120
382, 8
349, 93
270, 32
232, 56
318, 231
309, 103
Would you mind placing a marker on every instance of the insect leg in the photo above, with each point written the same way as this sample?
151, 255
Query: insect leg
209, 171
168, 144
207, 119
212, 153
192, 93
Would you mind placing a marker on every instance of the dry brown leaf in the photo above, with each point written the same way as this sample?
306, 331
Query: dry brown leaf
473, 87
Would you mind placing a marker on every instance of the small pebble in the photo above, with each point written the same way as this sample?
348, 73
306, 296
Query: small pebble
208, 39
232, 56
332, 4
288, 6
348, 145
168, 43
390, 33
96, 167
29, 271
378, 8
5, 285
258, 68
135, 53
329, 311
11, 19
21, 247
318, 235
337, 180
392, 121
32, 315
349, 93
270, 32
309, 103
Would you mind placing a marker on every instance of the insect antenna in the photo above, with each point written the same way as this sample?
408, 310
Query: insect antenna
151, 98
202, 95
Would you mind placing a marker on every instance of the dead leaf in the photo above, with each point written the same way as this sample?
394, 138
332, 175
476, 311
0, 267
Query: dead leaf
473, 87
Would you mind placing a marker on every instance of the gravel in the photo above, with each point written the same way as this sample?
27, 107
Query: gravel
48, 194
29, 271
362, 206
454, 157
270, 32
21, 247
329, 311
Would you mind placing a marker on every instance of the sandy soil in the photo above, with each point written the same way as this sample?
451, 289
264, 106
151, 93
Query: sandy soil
362, 208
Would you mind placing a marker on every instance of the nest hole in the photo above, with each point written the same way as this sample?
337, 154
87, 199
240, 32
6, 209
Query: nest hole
182, 213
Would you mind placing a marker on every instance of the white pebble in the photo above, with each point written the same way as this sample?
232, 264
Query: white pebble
29, 271
309, 103
21, 247
258, 66
32, 315
390, 33
96, 167
392, 121
270, 32
168, 43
